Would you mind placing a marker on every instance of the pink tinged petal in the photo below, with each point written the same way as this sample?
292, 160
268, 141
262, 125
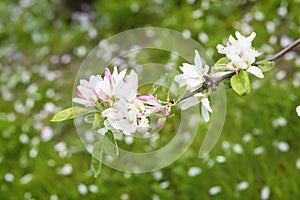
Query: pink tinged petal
166, 111
80, 101
112, 81
103, 95
197, 59
205, 113
149, 99
86, 92
189, 102
154, 109
90, 103
78, 94
206, 104
241, 54
255, 71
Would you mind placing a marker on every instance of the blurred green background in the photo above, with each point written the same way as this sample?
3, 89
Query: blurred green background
42, 44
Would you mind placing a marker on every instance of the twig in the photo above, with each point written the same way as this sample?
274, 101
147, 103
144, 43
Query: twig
213, 82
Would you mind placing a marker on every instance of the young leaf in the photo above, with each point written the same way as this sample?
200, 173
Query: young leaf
167, 83
110, 145
226, 83
222, 61
240, 83
97, 157
266, 66
69, 113
97, 121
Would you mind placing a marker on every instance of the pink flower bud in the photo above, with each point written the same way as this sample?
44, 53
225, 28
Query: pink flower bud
149, 99
166, 111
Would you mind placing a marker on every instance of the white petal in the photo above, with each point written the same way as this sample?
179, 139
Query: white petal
127, 127
197, 59
189, 102
80, 101
127, 89
86, 92
199, 95
221, 49
205, 113
298, 110
181, 79
251, 37
102, 131
189, 70
205, 102
255, 71
206, 69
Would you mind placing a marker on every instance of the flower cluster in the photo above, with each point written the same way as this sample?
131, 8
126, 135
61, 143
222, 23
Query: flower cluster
193, 77
122, 109
241, 54
115, 96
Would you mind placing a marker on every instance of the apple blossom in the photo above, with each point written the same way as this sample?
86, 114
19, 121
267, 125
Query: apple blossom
129, 113
193, 75
97, 88
88, 91
241, 54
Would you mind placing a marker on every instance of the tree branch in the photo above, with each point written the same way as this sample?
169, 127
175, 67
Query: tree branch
213, 82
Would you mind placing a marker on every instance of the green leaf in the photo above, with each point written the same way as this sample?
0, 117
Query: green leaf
222, 61
97, 158
266, 66
110, 145
167, 83
226, 83
69, 113
97, 120
240, 83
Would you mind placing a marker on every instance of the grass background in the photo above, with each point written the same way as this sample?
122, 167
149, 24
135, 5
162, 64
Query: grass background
43, 44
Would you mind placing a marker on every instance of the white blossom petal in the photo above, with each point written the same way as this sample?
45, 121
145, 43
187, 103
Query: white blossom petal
298, 110
255, 71
197, 59
189, 102
206, 104
205, 113
102, 131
